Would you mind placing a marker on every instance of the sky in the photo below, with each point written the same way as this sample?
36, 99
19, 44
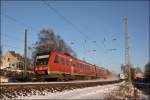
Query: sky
90, 25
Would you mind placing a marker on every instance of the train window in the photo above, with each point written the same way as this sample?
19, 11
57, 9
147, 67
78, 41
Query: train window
67, 62
74, 65
56, 60
77, 65
81, 65
62, 61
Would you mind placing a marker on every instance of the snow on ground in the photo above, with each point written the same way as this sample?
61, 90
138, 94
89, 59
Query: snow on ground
97, 92
143, 96
77, 81
4, 79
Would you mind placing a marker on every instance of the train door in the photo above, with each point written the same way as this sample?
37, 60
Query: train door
54, 65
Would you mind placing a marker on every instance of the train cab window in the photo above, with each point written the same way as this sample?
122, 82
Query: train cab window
56, 60
62, 61
42, 59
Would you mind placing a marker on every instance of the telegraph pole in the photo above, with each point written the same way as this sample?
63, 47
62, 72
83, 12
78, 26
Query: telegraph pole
25, 56
127, 49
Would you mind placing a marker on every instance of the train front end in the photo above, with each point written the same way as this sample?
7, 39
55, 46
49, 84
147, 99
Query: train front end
41, 64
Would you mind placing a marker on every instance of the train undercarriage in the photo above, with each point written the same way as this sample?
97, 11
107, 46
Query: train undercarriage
62, 77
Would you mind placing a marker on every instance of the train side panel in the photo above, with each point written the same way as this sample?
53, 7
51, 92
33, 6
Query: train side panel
62, 65
59, 64
53, 66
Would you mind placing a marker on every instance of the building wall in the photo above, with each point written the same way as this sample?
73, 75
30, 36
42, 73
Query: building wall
10, 61
138, 75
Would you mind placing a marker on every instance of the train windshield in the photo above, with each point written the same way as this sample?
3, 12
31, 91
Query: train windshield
42, 59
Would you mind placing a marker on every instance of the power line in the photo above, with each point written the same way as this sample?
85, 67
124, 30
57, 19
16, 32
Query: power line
13, 38
5, 45
65, 19
69, 22
23, 24
13, 19
59, 14
17, 21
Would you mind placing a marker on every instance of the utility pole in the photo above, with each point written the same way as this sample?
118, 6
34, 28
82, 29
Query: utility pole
127, 49
25, 56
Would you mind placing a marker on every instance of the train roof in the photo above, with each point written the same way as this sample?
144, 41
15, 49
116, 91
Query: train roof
40, 53
68, 55
73, 57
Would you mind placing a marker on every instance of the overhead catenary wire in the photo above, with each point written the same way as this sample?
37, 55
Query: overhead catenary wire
58, 13
14, 38
68, 21
24, 25
19, 22
13, 19
64, 18
72, 24
6, 45
11, 37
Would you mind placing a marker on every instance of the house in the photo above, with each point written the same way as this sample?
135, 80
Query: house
139, 75
12, 60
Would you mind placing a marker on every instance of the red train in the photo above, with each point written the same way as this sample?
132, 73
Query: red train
55, 65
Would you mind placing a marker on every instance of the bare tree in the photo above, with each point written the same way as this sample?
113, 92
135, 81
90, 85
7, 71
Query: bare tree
48, 41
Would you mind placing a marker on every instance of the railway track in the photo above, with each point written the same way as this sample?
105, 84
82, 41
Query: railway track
13, 90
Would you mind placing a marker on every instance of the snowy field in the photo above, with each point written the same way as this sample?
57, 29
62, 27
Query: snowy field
97, 92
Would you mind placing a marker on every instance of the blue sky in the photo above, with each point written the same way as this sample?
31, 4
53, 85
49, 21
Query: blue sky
100, 21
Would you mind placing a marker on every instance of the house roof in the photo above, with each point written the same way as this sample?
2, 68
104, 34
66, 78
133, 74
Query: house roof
17, 55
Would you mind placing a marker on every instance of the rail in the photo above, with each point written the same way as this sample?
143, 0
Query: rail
12, 90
